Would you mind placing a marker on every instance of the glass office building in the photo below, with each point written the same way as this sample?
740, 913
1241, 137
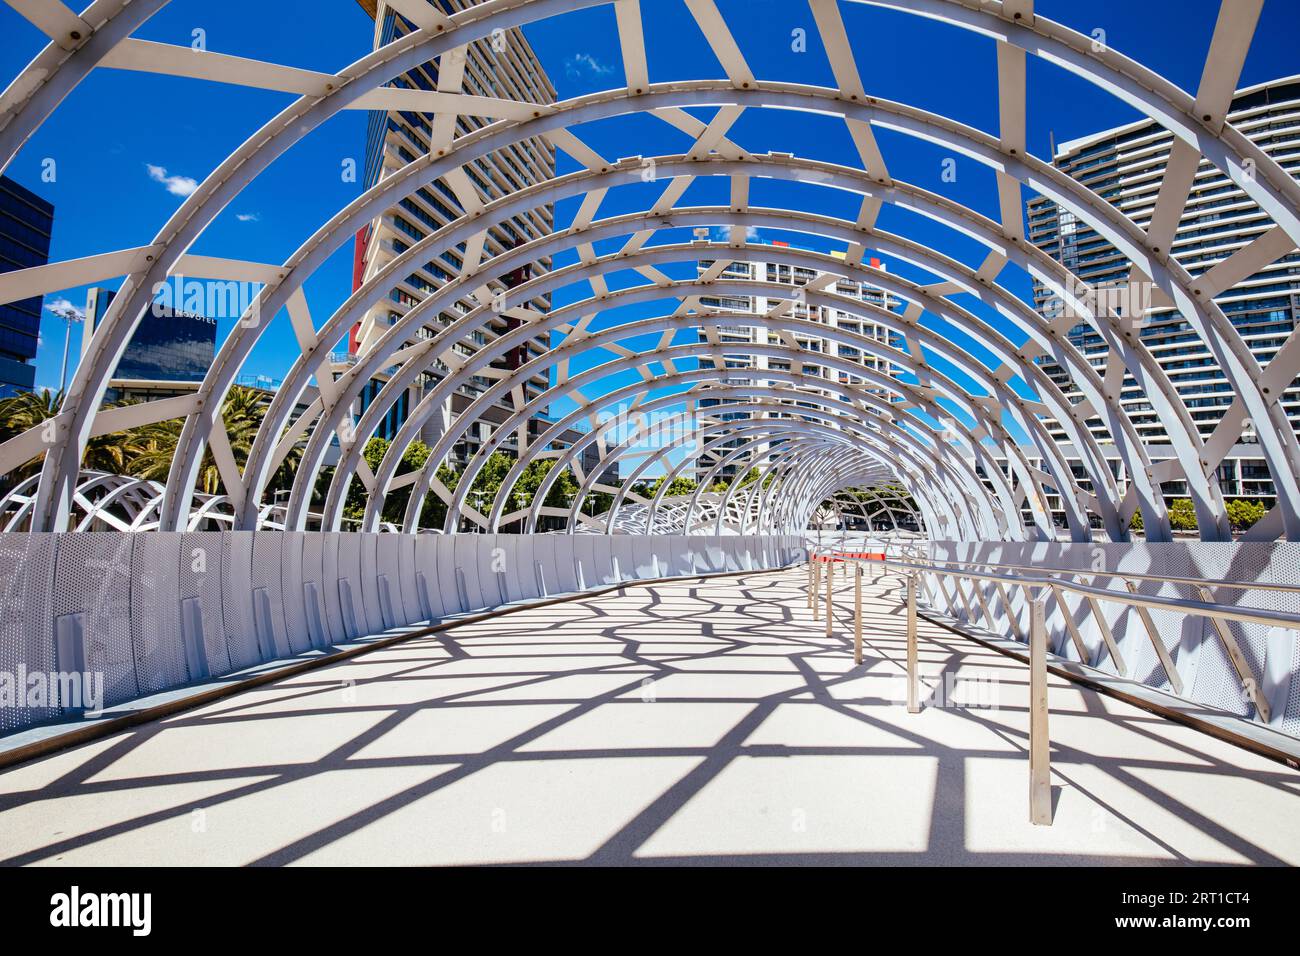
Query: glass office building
1126, 167
168, 345
25, 224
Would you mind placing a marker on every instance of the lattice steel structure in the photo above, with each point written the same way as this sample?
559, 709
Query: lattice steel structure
809, 436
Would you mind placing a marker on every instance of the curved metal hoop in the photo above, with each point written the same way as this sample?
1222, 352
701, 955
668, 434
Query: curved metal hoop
889, 419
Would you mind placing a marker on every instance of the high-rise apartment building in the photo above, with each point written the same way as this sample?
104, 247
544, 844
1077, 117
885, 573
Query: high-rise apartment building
751, 367
25, 224
1126, 166
500, 66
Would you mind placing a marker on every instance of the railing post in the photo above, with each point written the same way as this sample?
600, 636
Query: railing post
913, 690
857, 613
1040, 769
830, 583
812, 595
812, 583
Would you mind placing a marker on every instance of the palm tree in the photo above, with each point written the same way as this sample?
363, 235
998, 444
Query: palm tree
241, 415
20, 413
26, 410
148, 451
157, 447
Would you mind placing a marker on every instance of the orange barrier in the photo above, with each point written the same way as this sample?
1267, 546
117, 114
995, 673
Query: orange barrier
846, 555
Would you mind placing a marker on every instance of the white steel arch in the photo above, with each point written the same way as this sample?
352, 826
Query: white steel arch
101, 36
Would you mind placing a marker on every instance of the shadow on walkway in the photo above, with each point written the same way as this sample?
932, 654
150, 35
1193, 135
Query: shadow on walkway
707, 722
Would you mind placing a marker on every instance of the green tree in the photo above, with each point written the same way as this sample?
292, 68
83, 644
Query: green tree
241, 415
1242, 514
374, 452
433, 513
681, 485
24, 411
1182, 515
27, 410
560, 494
1135, 522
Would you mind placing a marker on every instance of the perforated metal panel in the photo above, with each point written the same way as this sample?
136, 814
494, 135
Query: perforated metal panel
92, 578
623, 554
314, 590
426, 556
155, 612
712, 555
681, 557
352, 614
1290, 721
1216, 681
466, 563
729, 548
452, 601
505, 557
585, 574
199, 576
492, 563
644, 550
523, 581
565, 563
1193, 643
689, 553
406, 577
329, 587
388, 562
544, 564
297, 632
268, 555
369, 590
602, 558
237, 599
26, 619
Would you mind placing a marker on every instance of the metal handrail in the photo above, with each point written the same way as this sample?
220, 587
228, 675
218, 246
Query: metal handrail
1135, 576
1149, 601
1218, 614
1038, 587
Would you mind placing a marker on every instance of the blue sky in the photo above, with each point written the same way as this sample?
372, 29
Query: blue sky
117, 124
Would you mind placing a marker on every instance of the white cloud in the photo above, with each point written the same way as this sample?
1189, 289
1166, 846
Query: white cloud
65, 310
723, 234
581, 63
248, 216
176, 185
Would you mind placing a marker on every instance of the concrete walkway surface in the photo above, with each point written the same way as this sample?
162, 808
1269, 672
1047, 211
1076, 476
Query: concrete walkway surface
691, 722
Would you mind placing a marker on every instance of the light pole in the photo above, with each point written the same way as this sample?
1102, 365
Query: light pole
70, 315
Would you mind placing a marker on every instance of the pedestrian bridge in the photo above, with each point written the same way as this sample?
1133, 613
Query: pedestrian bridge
442, 597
